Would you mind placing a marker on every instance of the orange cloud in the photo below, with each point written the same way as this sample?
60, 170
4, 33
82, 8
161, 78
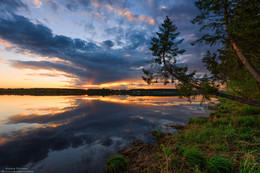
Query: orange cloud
127, 55
27, 53
95, 4
130, 16
37, 3
132, 83
126, 13
5, 43
3, 140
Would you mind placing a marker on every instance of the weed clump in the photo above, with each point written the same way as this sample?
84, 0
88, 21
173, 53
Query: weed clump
194, 157
116, 164
218, 164
249, 163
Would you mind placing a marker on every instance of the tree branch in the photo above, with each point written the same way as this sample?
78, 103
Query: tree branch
217, 93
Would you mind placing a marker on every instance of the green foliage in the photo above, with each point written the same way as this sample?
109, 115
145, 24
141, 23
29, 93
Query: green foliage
218, 164
167, 150
247, 121
218, 115
250, 110
165, 51
194, 157
197, 120
229, 141
168, 153
224, 64
159, 134
221, 147
249, 163
116, 164
241, 23
222, 121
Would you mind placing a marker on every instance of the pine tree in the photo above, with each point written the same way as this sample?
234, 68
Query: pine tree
165, 51
235, 25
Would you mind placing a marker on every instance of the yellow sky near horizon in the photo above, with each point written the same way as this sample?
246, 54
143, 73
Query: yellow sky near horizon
22, 77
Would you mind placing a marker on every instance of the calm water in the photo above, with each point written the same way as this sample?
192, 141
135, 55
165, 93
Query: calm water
77, 133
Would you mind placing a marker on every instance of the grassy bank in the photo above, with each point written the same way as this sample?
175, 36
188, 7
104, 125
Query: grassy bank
227, 141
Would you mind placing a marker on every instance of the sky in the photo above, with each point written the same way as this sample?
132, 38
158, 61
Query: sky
88, 43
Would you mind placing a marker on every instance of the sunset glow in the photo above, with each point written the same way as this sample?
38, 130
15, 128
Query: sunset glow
97, 44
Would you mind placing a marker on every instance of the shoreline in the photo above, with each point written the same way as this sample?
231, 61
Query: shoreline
90, 92
226, 141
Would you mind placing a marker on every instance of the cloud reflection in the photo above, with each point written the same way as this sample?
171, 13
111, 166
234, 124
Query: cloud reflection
87, 126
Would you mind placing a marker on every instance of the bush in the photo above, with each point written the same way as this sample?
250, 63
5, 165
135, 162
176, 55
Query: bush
194, 158
218, 164
116, 164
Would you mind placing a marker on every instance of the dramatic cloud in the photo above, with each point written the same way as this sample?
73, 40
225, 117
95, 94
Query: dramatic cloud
90, 59
117, 44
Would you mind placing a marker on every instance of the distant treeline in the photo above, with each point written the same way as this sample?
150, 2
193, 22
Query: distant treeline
102, 92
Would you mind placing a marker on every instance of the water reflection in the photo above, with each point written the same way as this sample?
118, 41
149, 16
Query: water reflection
77, 133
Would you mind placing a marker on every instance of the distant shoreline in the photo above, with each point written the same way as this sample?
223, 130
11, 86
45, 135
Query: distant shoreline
102, 92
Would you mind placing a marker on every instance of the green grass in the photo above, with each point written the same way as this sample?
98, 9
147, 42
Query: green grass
227, 141
116, 164
159, 134
194, 157
247, 121
218, 164
168, 154
249, 163
249, 110
197, 120
221, 147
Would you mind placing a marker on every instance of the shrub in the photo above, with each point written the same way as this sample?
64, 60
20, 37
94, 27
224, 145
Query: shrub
218, 164
116, 164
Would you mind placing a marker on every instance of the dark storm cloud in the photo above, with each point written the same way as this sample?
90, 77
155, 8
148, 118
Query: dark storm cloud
136, 39
91, 60
108, 43
41, 65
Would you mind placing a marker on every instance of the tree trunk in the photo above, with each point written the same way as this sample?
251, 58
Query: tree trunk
238, 99
244, 60
238, 51
218, 93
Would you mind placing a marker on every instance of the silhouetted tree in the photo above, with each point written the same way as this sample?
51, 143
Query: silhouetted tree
165, 51
235, 25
